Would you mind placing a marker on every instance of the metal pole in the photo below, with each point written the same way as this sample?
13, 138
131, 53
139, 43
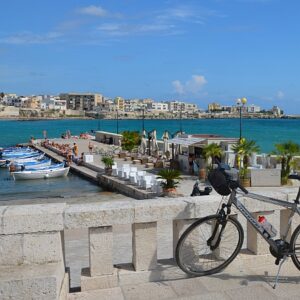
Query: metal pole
143, 119
98, 121
117, 121
240, 122
181, 118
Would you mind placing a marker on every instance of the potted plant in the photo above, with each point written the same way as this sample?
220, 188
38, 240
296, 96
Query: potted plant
286, 151
170, 177
108, 162
244, 149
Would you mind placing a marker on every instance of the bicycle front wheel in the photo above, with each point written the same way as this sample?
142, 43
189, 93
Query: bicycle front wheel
208, 245
295, 247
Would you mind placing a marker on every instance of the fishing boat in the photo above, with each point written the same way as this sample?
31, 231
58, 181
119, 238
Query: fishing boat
27, 159
33, 164
19, 154
41, 174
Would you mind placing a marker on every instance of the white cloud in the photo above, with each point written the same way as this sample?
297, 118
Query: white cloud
193, 86
280, 94
31, 38
93, 10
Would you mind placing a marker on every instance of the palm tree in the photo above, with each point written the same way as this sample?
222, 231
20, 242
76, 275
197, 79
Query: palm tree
212, 151
244, 150
286, 151
170, 176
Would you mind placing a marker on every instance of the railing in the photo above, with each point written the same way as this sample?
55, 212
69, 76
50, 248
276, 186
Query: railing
32, 256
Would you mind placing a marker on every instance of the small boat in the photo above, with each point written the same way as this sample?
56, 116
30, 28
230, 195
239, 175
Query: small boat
41, 174
49, 167
20, 154
33, 164
27, 159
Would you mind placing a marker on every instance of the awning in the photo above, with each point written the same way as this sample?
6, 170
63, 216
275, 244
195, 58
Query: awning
185, 141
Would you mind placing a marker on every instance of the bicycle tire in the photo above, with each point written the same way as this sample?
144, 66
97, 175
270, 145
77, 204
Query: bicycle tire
183, 248
293, 247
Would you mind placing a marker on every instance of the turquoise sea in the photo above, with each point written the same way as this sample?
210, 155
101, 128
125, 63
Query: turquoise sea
265, 132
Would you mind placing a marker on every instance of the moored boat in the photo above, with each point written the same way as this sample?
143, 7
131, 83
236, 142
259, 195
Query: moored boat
33, 164
41, 174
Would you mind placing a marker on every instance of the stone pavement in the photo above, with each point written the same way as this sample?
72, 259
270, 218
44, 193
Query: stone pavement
248, 277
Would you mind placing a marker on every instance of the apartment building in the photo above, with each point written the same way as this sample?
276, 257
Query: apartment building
120, 103
82, 101
161, 106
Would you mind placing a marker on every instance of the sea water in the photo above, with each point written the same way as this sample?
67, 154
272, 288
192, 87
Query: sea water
266, 132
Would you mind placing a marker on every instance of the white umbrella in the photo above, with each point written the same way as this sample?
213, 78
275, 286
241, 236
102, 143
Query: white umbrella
166, 144
143, 145
154, 146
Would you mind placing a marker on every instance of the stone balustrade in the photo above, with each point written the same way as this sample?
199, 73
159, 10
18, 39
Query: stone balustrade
32, 261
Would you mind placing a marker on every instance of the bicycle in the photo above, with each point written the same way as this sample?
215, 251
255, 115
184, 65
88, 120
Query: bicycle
211, 243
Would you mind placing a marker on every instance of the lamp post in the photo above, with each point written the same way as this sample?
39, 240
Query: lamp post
240, 104
117, 121
143, 119
98, 118
180, 115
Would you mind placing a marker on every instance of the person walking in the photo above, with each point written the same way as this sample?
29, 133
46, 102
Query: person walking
75, 150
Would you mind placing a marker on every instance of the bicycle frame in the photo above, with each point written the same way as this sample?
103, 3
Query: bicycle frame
258, 227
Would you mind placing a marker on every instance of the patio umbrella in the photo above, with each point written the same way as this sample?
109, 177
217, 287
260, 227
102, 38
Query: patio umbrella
166, 144
143, 145
154, 146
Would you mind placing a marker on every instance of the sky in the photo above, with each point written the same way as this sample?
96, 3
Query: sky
199, 51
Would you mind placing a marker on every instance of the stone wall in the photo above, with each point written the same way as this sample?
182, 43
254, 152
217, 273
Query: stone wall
32, 264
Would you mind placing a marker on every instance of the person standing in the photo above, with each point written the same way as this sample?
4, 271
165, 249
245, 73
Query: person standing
75, 150
90, 147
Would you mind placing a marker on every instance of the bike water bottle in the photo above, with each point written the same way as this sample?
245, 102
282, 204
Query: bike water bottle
270, 230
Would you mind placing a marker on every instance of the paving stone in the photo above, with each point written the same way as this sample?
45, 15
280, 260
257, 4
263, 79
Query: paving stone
149, 291
103, 294
188, 287
253, 292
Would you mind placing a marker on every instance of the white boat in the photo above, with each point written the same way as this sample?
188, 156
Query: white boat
34, 164
55, 166
16, 155
41, 174
26, 159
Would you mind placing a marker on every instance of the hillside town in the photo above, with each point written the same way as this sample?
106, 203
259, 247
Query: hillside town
95, 105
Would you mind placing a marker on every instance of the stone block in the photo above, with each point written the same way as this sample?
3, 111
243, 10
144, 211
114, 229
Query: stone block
168, 209
36, 248
101, 250
40, 248
64, 288
31, 282
88, 282
32, 218
99, 214
11, 249
144, 245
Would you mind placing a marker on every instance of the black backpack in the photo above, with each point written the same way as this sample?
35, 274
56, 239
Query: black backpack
220, 181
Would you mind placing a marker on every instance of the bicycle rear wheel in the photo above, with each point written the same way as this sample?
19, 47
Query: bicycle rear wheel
295, 247
198, 252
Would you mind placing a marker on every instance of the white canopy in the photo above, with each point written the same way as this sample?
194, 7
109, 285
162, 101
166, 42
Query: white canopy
186, 141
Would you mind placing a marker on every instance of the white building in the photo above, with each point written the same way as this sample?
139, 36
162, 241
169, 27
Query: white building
253, 108
160, 106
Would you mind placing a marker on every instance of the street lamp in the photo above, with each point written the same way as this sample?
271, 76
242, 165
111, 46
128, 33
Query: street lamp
98, 118
240, 104
117, 121
180, 118
143, 118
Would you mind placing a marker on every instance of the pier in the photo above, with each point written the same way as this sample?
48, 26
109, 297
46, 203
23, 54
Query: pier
94, 171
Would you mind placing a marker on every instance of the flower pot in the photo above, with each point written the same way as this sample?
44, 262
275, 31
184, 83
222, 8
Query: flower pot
245, 182
108, 171
170, 192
